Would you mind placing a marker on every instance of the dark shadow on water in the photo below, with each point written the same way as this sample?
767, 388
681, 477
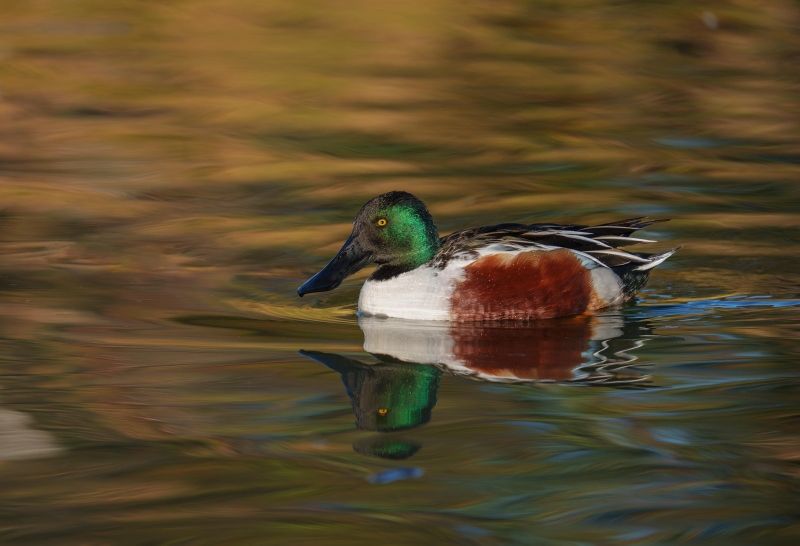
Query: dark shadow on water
399, 391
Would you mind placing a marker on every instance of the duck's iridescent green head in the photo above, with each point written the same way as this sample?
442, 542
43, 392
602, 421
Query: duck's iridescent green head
394, 230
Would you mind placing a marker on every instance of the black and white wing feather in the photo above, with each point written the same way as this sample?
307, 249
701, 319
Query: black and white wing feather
603, 244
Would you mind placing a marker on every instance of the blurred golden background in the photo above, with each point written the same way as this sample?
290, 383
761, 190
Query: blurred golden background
171, 171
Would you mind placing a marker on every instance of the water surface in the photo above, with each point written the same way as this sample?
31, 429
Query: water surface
171, 172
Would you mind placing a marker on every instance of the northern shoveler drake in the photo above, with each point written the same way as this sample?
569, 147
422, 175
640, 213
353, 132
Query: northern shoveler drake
502, 272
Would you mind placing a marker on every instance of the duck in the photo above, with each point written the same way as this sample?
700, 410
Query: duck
504, 272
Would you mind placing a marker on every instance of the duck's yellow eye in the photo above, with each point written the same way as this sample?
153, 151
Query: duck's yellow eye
383, 411
382, 222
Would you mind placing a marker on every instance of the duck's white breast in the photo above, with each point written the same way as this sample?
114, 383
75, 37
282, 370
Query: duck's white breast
422, 293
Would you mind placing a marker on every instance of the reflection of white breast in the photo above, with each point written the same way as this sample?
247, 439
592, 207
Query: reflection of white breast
408, 340
19, 441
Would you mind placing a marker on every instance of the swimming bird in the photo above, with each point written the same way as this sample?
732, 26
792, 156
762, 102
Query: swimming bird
501, 272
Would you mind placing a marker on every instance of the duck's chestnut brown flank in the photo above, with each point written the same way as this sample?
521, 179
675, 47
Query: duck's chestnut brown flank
526, 286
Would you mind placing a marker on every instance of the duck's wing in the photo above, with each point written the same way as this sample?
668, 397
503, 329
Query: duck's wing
601, 243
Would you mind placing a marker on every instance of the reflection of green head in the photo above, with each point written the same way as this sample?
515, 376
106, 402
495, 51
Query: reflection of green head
392, 396
386, 396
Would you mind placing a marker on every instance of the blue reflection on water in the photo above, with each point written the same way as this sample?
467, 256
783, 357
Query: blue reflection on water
692, 143
706, 306
395, 474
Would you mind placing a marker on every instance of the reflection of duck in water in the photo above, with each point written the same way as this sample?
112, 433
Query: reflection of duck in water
399, 391
582, 349
503, 272
387, 397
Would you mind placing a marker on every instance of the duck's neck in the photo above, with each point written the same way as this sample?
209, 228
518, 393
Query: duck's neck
426, 250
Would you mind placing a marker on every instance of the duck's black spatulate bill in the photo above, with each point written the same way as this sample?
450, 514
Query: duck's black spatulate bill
350, 259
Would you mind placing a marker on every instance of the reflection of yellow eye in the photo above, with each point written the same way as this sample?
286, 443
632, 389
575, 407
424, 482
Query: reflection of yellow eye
382, 222
383, 411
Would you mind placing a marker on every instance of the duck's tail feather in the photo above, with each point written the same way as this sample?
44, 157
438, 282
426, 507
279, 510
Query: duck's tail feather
634, 275
621, 228
655, 259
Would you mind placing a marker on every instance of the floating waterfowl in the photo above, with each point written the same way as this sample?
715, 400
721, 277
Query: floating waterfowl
502, 272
